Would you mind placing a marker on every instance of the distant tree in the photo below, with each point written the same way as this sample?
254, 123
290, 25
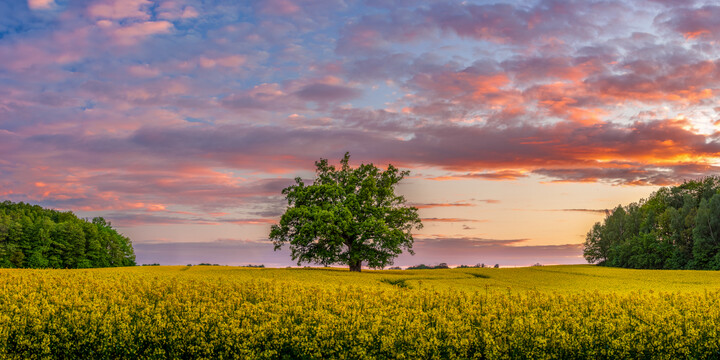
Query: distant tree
34, 237
419, 267
706, 250
675, 228
347, 216
438, 266
596, 247
497, 266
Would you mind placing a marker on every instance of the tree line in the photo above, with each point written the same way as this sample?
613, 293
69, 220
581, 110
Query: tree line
675, 228
34, 237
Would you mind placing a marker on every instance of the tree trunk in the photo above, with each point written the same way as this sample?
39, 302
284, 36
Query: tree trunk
356, 266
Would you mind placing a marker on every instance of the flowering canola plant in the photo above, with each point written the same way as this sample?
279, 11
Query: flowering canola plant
210, 312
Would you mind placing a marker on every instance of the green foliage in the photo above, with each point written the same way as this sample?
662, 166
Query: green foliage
347, 216
675, 228
33, 237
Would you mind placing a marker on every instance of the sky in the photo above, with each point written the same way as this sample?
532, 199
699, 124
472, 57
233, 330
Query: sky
521, 122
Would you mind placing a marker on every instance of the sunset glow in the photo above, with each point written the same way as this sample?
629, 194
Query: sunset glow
180, 121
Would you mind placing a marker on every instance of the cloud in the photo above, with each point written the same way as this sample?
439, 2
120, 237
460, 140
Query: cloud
230, 61
41, 4
172, 10
691, 83
532, 69
692, 23
436, 205
497, 175
252, 221
503, 117
130, 219
175, 165
144, 71
326, 92
133, 33
502, 23
442, 220
120, 9
471, 241
45, 54
488, 201
592, 211
267, 97
279, 7
215, 106
648, 175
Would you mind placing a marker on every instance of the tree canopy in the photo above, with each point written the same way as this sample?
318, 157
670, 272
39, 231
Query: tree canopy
347, 216
34, 237
675, 228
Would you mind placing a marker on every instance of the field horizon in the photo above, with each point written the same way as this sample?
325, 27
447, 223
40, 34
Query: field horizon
546, 278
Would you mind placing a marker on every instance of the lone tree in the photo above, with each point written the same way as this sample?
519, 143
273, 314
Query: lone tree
347, 216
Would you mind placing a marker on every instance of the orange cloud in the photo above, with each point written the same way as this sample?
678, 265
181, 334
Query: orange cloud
451, 220
435, 205
251, 221
497, 175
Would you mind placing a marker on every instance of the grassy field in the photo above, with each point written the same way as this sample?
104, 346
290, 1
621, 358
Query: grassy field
239, 313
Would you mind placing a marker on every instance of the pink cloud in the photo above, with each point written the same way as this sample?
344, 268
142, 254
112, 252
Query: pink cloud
230, 61
189, 12
41, 4
136, 32
55, 49
120, 9
692, 23
172, 112
172, 10
243, 97
144, 71
279, 7
546, 22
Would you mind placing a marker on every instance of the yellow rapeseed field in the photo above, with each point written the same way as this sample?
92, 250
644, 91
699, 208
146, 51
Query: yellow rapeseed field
216, 312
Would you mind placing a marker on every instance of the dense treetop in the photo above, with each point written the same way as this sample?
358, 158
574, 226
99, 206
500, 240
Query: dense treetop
34, 237
675, 228
347, 216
